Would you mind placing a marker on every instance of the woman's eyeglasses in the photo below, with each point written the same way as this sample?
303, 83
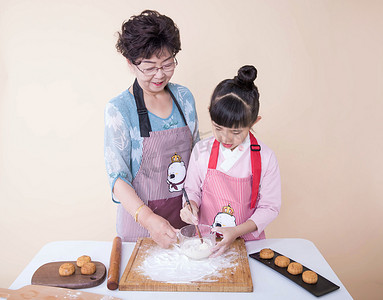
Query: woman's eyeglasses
166, 68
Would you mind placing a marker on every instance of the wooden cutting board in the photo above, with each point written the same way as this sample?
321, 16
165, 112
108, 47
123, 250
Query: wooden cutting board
48, 292
237, 280
48, 274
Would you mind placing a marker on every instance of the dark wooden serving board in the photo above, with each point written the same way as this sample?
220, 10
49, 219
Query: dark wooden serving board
322, 287
239, 279
48, 274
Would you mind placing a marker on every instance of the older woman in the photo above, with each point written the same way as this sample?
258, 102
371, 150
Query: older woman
150, 129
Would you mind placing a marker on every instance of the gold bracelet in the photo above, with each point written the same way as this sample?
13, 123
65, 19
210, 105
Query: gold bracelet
137, 211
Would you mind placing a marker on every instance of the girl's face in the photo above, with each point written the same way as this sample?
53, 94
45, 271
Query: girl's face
153, 74
230, 138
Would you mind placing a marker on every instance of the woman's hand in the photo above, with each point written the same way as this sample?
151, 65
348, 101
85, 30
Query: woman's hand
187, 216
159, 228
229, 235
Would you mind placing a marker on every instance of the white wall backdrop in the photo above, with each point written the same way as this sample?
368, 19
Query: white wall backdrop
320, 77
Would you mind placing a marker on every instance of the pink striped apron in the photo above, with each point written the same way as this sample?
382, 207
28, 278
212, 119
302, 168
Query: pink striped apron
159, 181
229, 201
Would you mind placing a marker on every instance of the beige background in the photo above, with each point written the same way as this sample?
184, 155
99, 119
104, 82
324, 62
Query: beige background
321, 81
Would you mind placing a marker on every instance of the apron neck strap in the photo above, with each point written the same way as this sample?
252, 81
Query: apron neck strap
256, 168
143, 117
176, 103
214, 155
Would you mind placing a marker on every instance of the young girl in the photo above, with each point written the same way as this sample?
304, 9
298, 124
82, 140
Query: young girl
233, 180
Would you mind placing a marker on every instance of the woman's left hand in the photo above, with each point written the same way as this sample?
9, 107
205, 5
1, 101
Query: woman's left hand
229, 234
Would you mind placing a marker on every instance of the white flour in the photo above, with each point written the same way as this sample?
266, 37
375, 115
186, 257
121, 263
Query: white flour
171, 265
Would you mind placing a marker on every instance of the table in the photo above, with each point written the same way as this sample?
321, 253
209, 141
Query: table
268, 284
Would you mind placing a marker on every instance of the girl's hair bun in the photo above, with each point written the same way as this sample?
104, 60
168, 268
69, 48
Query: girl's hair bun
246, 76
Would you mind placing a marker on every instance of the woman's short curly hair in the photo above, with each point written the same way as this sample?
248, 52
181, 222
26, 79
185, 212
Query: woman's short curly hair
146, 35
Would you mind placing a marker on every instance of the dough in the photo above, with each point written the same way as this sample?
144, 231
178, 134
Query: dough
282, 261
295, 268
67, 269
266, 253
83, 260
88, 268
195, 250
310, 277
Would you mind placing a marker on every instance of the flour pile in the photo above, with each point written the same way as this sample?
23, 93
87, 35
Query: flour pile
171, 265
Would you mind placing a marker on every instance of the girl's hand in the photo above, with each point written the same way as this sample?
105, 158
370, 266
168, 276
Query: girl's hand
159, 229
187, 216
229, 235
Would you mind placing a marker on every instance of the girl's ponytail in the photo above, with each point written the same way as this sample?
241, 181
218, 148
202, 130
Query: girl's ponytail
246, 76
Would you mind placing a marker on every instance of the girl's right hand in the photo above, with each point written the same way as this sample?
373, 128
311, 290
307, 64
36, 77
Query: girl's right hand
187, 216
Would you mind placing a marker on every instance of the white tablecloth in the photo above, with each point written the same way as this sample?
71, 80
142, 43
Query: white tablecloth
268, 284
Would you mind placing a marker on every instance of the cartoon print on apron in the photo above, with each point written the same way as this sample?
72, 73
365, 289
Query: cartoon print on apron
161, 150
235, 199
176, 174
225, 218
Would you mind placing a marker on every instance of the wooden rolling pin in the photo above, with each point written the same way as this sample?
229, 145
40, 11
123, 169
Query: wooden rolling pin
114, 265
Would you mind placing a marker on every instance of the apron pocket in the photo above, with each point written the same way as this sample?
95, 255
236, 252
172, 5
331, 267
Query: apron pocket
169, 209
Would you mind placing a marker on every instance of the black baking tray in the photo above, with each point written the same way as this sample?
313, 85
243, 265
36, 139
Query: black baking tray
322, 287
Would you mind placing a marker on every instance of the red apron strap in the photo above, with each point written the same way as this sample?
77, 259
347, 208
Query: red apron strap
256, 168
214, 155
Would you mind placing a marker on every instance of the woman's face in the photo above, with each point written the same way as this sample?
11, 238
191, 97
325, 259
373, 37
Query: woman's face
153, 74
230, 138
